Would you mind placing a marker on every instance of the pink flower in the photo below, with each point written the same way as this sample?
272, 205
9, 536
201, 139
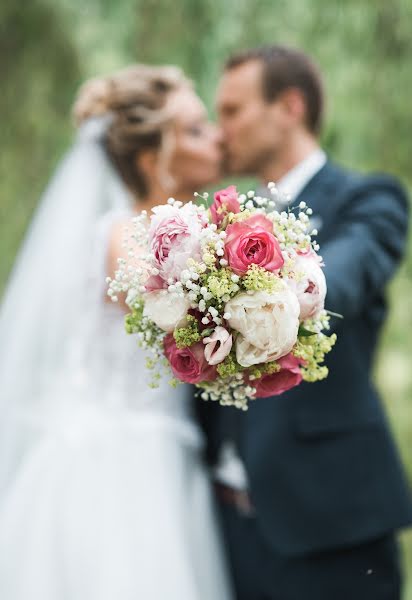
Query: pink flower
174, 238
217, 346
188, 364
252, 242
310, 253
309, 284
288, 377
155, 282
225, 201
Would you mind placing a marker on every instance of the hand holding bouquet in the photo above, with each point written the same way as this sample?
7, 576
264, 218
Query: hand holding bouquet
229, 298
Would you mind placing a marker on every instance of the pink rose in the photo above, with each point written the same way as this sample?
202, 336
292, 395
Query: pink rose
188, 364
217, 346
174, 238
225, 201
309, 284
288, 377
252, 242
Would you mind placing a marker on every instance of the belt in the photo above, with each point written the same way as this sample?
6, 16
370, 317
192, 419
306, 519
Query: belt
240, 499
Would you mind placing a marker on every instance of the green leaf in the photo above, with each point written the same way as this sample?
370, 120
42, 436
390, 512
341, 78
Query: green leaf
303, 332
207, 332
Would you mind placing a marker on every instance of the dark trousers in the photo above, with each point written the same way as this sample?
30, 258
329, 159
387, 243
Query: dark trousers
369, 571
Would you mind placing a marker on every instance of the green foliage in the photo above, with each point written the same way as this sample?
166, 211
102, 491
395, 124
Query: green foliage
229, 366
303, 332
364, 48
40, 66
258, 279
133, 320
312, 350
189, 335
256, 371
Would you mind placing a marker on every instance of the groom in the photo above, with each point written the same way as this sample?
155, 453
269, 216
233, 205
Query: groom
309, 483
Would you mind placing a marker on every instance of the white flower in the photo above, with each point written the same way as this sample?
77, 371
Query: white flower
309, 285
166, 310
268, 324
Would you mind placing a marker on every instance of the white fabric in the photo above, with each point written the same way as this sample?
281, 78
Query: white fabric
230, 469
106, 496
295, 180
45, 312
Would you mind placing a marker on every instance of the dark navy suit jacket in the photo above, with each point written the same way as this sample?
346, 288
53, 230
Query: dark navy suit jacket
322, 466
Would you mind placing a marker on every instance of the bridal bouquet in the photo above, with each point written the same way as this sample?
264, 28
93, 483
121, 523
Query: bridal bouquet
230, 298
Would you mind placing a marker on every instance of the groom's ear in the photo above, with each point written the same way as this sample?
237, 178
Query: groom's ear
293, 105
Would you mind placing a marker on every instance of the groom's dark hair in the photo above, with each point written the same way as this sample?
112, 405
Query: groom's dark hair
285, 68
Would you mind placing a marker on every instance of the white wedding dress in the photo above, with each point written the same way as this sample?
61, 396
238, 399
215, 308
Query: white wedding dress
110, 499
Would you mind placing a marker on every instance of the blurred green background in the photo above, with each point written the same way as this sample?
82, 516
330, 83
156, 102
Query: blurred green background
364, 47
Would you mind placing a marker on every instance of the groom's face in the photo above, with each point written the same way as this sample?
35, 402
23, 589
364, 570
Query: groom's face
254, 129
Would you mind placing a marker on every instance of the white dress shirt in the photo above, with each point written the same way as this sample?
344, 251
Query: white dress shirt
293, 182
230, 469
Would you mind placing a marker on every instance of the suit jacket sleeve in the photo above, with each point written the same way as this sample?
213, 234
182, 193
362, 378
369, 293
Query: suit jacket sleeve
367, 244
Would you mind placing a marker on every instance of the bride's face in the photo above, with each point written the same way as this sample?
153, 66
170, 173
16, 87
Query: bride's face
196, 157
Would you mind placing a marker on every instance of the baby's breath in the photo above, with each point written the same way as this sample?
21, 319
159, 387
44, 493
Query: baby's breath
235, 391
189, 335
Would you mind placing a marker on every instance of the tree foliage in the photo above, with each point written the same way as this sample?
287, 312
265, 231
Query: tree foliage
39, 69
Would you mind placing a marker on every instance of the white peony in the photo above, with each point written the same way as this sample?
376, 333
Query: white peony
309, 285
166, 310
267, 322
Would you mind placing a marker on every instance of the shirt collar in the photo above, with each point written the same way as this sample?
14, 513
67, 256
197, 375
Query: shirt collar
293, 182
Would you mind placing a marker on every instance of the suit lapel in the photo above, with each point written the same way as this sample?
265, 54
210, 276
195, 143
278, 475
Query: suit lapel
318, 194
317, 190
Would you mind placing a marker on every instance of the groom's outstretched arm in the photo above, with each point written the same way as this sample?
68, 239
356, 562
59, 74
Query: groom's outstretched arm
367, 245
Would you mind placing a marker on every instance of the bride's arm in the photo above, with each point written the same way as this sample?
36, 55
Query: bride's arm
115, 251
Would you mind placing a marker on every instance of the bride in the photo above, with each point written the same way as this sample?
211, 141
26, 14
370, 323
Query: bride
103, 493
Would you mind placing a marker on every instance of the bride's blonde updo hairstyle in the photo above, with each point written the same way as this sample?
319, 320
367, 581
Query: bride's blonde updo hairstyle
135, 100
